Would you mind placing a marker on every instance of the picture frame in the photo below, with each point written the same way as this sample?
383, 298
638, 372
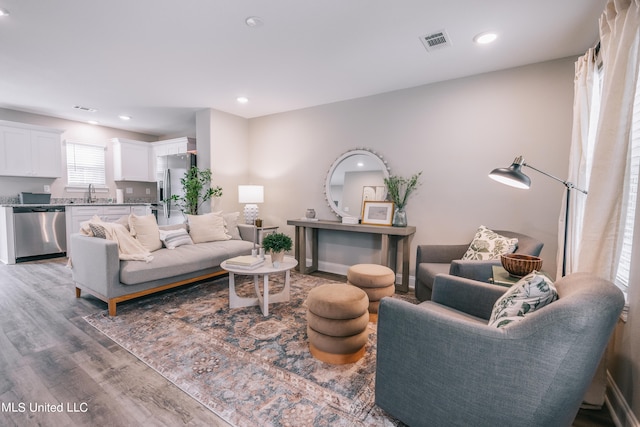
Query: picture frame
377, 213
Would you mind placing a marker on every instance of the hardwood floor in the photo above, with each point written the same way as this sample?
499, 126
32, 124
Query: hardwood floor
51, 359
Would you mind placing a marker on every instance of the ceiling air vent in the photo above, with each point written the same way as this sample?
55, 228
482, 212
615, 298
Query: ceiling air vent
81, 108
435, 40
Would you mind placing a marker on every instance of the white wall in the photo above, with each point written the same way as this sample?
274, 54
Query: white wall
455, 132
223, 146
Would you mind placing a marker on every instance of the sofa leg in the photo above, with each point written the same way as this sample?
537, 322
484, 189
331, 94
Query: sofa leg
78, 292
112, 308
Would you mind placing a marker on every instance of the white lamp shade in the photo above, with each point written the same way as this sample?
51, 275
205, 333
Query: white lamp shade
250, 194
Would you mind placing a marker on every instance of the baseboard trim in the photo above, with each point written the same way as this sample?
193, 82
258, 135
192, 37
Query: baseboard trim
621, 412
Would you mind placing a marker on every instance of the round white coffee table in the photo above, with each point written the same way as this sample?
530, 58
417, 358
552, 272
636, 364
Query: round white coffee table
262, 299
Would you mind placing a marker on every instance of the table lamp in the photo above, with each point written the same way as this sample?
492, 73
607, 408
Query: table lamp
250, 195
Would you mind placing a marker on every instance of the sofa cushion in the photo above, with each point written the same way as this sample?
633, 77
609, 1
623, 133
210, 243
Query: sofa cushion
145, 229
174, 238
529, 294
207, 228
182, 260
488, 245
231, 225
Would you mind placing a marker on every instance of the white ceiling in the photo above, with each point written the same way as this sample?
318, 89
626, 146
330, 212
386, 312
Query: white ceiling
160, 61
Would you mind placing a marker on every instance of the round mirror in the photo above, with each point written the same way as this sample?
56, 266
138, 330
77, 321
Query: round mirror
356, 176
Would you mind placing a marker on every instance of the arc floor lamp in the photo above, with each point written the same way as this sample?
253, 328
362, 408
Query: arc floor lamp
514, 177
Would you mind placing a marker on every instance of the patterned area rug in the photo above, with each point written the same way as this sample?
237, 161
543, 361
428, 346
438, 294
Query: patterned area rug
248, 369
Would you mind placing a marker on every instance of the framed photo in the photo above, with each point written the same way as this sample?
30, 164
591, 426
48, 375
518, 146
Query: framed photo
377, 213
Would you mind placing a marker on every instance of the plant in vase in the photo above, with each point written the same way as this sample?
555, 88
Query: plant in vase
399, 190
196, 191
276, 244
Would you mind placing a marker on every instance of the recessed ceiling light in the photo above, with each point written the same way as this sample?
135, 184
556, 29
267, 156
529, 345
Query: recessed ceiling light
123, 117
4, 12
93, 122
254, 22
485, 38
242, 99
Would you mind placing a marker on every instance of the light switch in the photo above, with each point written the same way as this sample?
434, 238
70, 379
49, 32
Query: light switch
148, 191
129, 190
47, 189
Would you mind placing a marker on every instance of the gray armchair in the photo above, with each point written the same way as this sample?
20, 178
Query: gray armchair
437, 259
440, 364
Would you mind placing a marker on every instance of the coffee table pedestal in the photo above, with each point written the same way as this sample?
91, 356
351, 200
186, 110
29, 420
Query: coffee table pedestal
262, 299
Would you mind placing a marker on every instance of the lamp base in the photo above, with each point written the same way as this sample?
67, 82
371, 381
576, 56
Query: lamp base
250, 213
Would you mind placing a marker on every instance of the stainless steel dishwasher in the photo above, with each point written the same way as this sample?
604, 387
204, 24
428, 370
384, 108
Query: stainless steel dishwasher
40, 232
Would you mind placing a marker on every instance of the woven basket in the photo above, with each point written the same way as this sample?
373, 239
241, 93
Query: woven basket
519, 264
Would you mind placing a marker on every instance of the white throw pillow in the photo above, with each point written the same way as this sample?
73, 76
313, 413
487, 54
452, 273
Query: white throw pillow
530, 293
207, 228
231, 225
489, 245
145, 230
174, 238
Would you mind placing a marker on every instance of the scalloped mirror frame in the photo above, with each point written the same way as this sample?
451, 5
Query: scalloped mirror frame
377, 158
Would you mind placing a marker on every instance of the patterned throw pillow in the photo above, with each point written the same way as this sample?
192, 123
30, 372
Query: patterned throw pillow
98, 230
174, 238
489, 245
530, 293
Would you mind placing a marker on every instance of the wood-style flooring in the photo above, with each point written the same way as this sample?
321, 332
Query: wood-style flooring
51, 359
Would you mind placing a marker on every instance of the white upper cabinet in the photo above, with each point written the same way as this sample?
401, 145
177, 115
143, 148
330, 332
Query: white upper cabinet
132, 160
173, 146
27, 150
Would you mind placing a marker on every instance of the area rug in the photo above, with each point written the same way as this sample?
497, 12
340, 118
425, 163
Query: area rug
247, 368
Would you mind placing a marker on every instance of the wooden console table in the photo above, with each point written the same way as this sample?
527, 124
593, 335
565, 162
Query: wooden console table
393, 234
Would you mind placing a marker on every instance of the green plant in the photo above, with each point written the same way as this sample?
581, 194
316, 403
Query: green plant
400, 188
196, 191
277, 242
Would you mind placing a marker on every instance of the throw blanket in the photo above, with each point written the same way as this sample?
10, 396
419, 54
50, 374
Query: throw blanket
129, 248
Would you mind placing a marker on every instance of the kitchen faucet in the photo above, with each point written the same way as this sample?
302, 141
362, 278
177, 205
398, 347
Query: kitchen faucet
92, 194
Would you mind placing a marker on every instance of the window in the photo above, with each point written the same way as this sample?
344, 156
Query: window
85, 165
624, 264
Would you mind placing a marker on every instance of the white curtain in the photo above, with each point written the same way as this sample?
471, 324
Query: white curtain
604, 216
585, 108
603, 223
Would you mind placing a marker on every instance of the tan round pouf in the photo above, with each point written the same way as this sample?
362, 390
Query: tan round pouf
376, 280
337, 319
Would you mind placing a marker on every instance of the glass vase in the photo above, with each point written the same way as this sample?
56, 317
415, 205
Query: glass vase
399, 218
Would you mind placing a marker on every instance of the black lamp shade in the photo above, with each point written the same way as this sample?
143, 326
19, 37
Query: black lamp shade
512, 176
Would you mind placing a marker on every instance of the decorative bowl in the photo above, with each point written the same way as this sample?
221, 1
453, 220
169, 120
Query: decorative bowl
520, 265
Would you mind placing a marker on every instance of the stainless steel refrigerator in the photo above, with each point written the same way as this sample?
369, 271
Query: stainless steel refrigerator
170, 169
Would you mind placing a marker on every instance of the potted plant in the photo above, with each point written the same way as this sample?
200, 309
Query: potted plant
196, 191
276, 244
399, 190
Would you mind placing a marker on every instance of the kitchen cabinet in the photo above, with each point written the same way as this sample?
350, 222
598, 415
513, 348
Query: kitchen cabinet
31, 151
174, 146
76, 215
132, 160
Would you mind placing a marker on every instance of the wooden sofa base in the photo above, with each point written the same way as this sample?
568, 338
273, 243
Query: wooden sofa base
111, 302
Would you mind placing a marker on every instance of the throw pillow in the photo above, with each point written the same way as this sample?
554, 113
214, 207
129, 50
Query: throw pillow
530, 293
145, 230
231, 225
489, 245
174, 238
207, 228
98, 230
